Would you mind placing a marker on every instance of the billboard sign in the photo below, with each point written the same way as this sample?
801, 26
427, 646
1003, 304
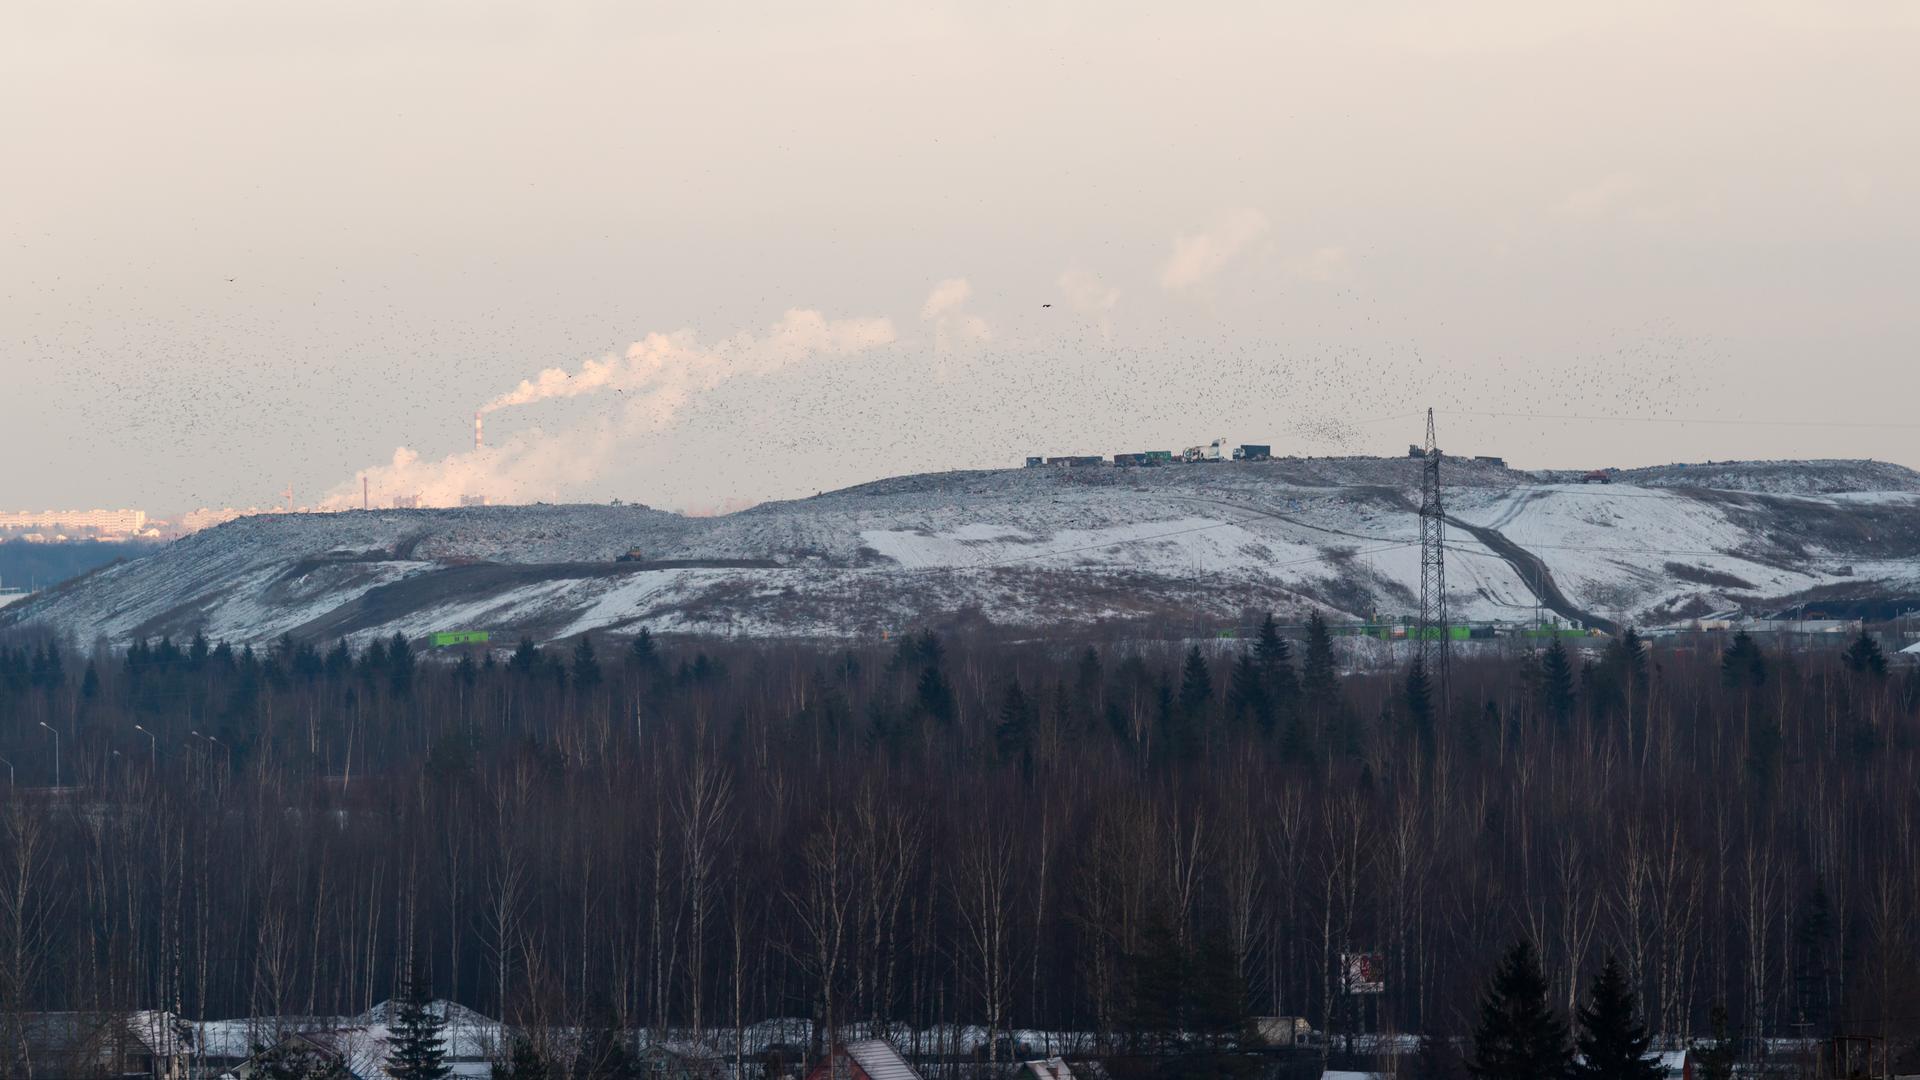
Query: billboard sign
1363, 973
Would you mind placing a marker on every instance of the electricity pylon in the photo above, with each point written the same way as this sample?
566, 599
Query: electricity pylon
1435, 645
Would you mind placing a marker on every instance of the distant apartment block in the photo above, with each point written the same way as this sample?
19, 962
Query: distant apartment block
106, 522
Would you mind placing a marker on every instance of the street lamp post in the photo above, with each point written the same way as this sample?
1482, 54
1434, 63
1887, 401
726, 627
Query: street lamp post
153, 747
228, 749
9, 765
56, 753
216, 742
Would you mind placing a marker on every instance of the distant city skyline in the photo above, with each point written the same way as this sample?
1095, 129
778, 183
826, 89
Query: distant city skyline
122, 522
703, 256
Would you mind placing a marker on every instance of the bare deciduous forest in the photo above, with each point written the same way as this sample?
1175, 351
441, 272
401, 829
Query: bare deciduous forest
936, 831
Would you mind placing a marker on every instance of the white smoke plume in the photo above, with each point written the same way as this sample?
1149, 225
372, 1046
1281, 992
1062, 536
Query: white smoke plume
654, 379
663, 369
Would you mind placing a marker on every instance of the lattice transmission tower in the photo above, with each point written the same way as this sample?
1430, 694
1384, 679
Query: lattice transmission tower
1435, 643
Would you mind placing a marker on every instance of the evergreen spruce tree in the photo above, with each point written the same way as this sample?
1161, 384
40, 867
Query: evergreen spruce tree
339, 658
1438, 1059
1247, 699
1518, 1036
307, 663
641, 653
1743, 664
1714, 1060
586, 669
1812, 940
927, 646
1420, 702
198, 650
526, 657
603, 1053
1217, 994
1179, 735
400, 664
1014, 735
1294, 745
1062, 716
1612, 1042
1156, 986
1196, 683
1632, 654
1275, 656
1621, 677
1088, 677
416, 1047
523, 1063
935, 695
1319, 677
1556, 682
1864, 657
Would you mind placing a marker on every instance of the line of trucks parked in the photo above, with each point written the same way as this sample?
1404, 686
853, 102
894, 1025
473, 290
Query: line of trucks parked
1217, 450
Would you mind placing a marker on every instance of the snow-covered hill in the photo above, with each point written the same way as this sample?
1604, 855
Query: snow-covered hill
1036, 549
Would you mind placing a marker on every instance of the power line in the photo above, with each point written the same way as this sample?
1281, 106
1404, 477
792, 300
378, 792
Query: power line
1322, 557
1675, 551
1901, 425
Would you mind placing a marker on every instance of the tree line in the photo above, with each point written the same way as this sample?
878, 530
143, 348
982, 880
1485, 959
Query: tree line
1145, 842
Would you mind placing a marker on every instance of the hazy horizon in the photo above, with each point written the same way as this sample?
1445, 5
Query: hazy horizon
760, 254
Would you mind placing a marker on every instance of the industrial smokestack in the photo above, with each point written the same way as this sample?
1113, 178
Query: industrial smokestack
477, 443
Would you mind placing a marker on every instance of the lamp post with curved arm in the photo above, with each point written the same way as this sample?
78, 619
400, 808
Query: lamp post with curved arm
56, 752
224, 746
153, 747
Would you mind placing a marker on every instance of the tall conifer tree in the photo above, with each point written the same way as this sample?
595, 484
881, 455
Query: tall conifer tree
1613, 1043
1519, 1037
416, 1045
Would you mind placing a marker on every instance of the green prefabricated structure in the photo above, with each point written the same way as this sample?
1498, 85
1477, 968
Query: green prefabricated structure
459, 637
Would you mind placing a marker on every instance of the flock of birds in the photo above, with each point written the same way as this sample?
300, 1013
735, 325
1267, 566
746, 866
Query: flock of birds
1330, 373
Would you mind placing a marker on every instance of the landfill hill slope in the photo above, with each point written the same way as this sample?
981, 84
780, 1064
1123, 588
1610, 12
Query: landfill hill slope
1036, 550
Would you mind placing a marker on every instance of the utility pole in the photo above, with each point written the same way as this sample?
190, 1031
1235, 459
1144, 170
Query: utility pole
1435, 647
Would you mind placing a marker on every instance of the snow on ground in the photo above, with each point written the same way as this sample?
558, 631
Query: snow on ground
1023, 548
1622, 550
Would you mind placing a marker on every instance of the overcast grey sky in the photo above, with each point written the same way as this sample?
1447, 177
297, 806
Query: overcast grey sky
772, 249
